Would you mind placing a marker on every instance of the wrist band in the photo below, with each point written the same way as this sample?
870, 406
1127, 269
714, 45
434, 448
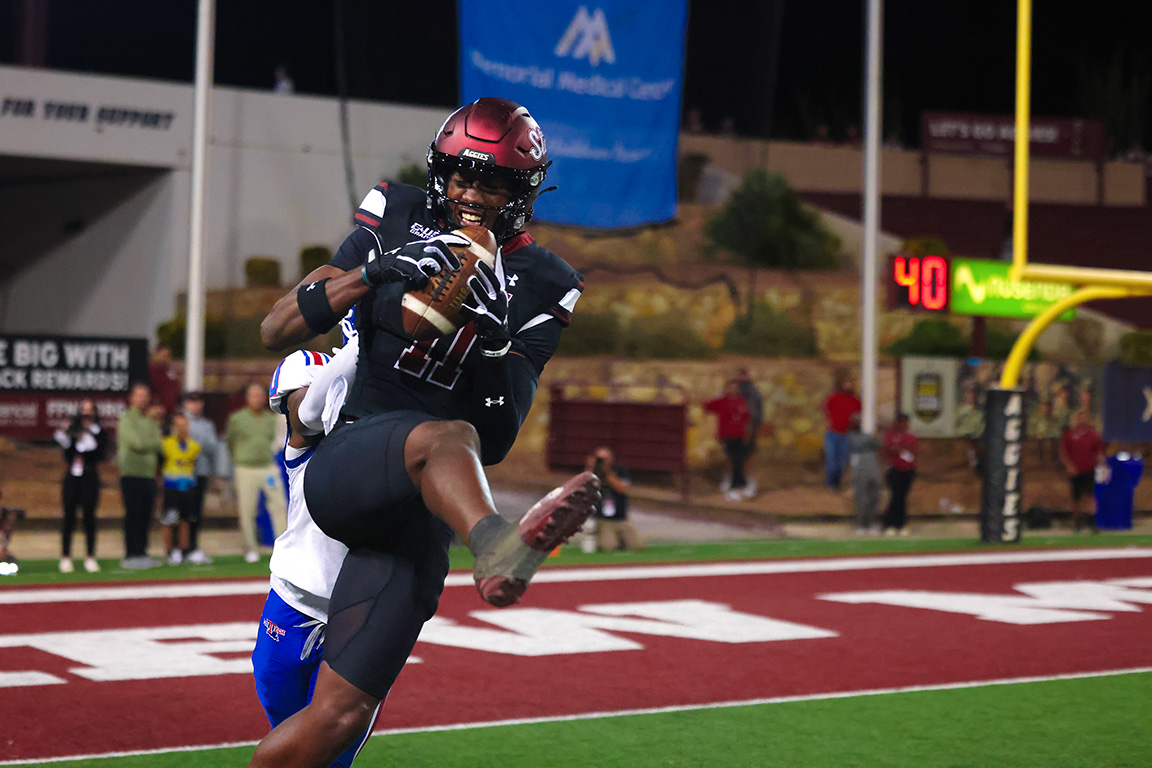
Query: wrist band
314, 307
364, 276
496, 352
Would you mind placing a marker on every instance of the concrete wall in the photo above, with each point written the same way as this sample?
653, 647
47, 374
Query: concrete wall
276, 183
276, 176
821, 168
118, 275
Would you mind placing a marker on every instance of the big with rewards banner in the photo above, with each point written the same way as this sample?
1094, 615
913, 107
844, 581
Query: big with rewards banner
604, 82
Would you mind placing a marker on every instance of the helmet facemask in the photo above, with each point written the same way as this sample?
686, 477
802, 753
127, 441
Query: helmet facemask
523, 187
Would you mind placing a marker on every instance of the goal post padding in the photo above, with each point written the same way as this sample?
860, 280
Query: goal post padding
1003, 451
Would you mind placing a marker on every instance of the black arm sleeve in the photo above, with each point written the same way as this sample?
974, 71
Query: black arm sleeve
506, 386
501, 399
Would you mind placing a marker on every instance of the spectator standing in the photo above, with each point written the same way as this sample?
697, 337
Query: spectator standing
250, 434
751, 394
1081, 450
901, 447
838, 409
282, 81
614, 531
732, 419
180, 454
85, 445
165, 387
203, 431
865, 477
1043, 428
970, 427
8, 518
139, 443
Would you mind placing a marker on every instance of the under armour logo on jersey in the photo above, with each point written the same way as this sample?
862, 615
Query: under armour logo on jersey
272, 630
587, 38
491, 401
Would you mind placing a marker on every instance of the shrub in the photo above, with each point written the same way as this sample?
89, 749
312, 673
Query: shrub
668, 336
591, 333
770, 334
1136, 348
925, 246
242, 339
171, 334
765, 223
312, 257
998, 345
414, 174
261, 272
940, 338
932, 338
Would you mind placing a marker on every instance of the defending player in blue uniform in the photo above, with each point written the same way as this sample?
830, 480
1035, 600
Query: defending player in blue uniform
308, 388
403, 469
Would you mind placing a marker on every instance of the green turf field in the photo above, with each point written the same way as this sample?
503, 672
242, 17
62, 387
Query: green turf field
233, 566
1086, 723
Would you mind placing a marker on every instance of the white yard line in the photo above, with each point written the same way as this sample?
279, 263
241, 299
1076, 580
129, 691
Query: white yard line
614, 573
632, 712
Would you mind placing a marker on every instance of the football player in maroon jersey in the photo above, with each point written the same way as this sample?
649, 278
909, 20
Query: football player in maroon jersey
404, 469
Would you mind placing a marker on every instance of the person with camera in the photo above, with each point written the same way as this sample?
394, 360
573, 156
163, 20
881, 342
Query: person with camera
85, 445
614, 531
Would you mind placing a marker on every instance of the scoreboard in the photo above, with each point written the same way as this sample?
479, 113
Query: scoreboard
919, 282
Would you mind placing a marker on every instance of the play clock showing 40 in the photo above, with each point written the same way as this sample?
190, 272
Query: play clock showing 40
918, 282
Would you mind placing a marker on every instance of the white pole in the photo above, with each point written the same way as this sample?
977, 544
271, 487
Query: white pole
871, 217
194, 338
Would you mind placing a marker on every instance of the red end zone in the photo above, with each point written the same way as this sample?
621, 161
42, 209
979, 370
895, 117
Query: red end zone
89, 676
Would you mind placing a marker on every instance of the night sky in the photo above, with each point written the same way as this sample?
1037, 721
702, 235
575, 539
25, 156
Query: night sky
938, 55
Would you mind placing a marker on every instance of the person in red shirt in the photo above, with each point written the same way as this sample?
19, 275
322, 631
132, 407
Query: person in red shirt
1081, 449
732, 422
165, 386
900, 447
838, 408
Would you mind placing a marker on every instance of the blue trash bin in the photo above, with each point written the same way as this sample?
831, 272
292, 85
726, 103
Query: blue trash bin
1114, 495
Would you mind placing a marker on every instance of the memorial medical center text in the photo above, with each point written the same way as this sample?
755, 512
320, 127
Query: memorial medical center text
547, 78
68, 365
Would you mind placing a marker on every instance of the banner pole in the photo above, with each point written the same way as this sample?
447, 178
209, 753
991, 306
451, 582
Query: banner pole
868, 363
194, 331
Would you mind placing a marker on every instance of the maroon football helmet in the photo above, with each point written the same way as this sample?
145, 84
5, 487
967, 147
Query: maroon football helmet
492, 137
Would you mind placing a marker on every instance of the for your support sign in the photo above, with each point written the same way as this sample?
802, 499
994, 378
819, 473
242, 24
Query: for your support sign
983, 287
604, 81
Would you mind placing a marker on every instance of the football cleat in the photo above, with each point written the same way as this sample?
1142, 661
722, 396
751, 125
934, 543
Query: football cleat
502, 574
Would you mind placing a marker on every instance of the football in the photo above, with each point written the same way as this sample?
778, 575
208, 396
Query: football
435, 310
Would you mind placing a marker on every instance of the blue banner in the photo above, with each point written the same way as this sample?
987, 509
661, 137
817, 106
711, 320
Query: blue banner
604, 81
1127, 403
